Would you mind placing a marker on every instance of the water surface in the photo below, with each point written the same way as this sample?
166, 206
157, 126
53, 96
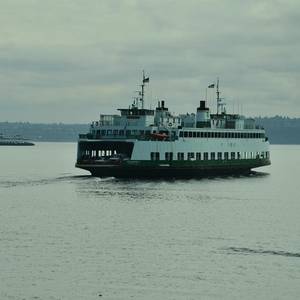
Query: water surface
67, 235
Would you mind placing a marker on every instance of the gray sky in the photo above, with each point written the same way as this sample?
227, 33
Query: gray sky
68, 61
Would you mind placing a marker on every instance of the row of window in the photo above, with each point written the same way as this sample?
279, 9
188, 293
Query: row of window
186, 134
210, 155
212, 134
117, 132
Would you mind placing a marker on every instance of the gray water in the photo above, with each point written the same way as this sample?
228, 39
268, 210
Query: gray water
66, 235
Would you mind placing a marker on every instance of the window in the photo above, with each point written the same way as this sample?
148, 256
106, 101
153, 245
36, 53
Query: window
212, 155
121, 132
185, 134
190, 155
154, 155
194, 134
219, 155
190, 134
180, 156
239, 155
109, 132
198, 134
103, 132
169, 156
181, 134
198, 156
232, 155
115, 132
226, 155
128, 132
205, 156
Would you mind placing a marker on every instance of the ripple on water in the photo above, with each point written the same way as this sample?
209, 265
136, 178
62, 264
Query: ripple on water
247, 251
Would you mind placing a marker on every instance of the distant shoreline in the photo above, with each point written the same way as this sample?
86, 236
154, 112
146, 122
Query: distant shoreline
280, 130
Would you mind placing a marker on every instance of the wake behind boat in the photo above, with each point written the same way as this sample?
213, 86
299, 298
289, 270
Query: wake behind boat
144, 142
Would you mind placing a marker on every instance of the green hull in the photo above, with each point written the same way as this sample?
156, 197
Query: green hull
176, 169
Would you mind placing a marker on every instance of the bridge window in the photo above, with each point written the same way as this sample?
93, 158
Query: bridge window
212, 155
190, 134
198, 156
181, 134
185, 134
121, 132
226, 155
232, 155
219, 155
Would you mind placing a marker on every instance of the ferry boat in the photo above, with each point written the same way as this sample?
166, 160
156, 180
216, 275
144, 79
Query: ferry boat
14, 141
141, 142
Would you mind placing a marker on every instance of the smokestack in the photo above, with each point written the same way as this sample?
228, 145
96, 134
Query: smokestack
202, 104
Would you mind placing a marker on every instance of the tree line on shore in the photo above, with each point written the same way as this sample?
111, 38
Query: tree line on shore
280, 130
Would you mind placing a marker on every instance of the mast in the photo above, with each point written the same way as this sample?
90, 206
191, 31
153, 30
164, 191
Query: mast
143, 93
218, 97
145, 79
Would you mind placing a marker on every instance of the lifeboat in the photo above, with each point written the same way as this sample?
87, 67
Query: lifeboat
159, 136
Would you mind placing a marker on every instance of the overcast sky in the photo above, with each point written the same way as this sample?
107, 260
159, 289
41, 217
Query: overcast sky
70, 60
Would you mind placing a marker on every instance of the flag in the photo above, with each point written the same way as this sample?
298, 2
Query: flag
211, 86
146, 79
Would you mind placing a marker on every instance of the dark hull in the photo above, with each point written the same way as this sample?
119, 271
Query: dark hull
156, 171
